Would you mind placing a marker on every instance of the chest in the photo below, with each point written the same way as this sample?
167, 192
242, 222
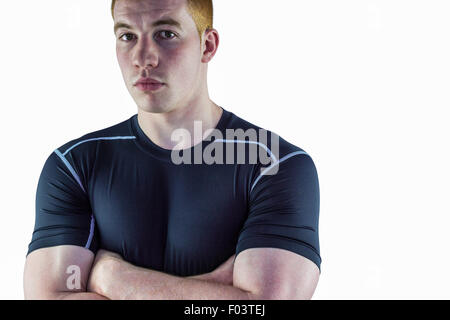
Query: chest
178, 219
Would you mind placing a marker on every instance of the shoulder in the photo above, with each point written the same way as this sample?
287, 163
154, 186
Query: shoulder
77, 157
87, 143
279, 147
287, 165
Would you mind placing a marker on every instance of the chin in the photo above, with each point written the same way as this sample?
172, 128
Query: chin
153, 107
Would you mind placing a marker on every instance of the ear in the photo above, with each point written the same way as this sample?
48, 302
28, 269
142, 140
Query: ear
210, 44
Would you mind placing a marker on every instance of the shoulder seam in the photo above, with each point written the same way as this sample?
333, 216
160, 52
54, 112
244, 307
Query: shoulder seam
77, 178
71, 169
274, 158
277, 163
100, 138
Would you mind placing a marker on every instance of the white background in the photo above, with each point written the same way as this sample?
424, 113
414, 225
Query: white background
362, 86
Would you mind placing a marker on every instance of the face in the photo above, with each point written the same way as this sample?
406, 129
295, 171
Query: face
158, 39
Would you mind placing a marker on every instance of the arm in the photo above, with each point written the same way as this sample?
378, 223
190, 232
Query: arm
222, 274
46, 274
259, 273
273, 273
115, 278
64, 237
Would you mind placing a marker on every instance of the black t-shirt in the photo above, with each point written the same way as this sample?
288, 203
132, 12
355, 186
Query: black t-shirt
115, 189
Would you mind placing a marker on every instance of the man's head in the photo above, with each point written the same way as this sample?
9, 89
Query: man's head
169, 40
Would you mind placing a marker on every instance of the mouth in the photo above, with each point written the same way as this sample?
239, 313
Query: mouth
149, 86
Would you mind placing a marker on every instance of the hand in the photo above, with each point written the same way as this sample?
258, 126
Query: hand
102, 266
224, 273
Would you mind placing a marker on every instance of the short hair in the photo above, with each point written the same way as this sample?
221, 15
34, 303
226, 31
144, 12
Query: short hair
201, 12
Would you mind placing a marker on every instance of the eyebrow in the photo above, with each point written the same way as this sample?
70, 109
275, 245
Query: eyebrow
169, 21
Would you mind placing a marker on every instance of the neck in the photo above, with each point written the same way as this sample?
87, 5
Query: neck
158, 127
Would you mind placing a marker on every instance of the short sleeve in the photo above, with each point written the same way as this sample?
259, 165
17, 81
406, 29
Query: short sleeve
63, 211
284, 209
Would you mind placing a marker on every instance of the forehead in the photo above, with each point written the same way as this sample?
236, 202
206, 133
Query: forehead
139, 11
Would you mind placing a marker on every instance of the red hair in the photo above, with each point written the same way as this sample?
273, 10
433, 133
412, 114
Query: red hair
201, 12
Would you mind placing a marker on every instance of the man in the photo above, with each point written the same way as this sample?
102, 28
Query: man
119, 216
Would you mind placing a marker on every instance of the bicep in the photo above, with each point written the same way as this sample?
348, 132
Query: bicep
273, 273
54, 270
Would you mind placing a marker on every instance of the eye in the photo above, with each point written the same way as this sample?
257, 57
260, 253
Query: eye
126, 34
166, 34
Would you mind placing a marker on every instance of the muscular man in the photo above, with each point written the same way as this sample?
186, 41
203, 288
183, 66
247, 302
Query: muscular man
139, 211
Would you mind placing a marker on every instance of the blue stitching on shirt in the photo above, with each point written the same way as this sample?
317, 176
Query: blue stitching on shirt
276, 163
102, 138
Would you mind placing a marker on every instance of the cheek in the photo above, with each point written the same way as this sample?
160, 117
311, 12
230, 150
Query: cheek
184, 64
123, 60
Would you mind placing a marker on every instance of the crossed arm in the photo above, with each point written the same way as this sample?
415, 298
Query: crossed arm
257, 273
115, 278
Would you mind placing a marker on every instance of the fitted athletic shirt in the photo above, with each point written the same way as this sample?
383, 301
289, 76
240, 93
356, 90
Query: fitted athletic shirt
117, 190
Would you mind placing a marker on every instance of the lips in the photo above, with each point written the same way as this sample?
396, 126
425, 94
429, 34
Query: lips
147, 81
149, 84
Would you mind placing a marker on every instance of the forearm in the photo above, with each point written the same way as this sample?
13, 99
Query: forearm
204, 277
127, 281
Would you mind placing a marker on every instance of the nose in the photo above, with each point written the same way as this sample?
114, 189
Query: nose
145, 54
